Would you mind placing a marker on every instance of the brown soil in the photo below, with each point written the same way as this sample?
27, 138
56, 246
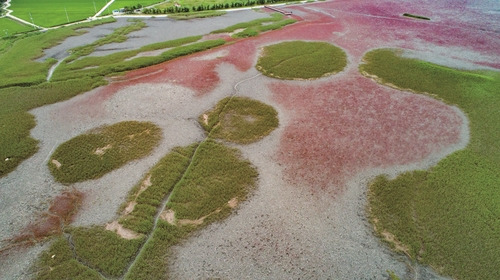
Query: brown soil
56, 163
60, 213
145, 184
129, 208
168, 216
121, 231
102, 151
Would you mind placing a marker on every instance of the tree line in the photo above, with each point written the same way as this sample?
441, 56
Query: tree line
199, 8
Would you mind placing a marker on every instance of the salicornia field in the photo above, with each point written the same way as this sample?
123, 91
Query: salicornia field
301, 60
447, 216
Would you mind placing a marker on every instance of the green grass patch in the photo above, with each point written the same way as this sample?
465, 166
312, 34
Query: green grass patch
63, 73
416, 16
240, 120
96, 61
104, 250
91, 155
152, 262
9, 27
203, 14
216, 175
55, 12
162, 177
119, 35
16, 143
275, 17
255, 27
448, 216
17, 65
301, 60
58, 263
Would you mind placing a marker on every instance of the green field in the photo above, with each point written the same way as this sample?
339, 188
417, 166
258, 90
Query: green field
9, 27
447, 216
52, 13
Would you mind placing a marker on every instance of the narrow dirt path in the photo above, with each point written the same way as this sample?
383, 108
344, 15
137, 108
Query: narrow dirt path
102, 9
9, 15
188, 168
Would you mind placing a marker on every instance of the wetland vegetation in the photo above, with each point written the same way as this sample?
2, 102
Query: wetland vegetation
301, 60
447, 216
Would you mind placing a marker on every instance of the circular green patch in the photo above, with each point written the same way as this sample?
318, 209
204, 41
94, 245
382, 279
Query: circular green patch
91, 155
301, 60
240, 120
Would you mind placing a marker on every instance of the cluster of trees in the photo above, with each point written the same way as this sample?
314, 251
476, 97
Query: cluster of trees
219, 6
1, 6
130, 10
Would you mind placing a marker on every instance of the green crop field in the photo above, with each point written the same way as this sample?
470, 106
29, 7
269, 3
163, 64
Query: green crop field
447, 216
9, 27
51, 13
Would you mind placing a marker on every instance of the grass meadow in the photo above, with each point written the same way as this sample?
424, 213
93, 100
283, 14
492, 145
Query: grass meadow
92, 155
57, 12
9, 27
301, 60
104, 250
447, 216
240, 120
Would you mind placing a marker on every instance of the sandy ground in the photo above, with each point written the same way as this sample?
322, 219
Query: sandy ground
284, 231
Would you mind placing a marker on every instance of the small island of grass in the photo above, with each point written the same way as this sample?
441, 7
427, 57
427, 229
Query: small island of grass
301, 60
416, 16
240, 120
91, 155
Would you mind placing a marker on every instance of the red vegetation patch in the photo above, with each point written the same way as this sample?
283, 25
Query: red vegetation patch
60, 213
65, 205
340, 128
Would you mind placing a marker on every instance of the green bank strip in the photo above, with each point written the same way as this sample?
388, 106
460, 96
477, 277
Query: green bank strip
448, 216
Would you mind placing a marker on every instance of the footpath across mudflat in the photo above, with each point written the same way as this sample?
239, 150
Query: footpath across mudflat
304, 211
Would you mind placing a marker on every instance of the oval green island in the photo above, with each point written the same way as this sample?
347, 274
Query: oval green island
300, 60
91, 155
